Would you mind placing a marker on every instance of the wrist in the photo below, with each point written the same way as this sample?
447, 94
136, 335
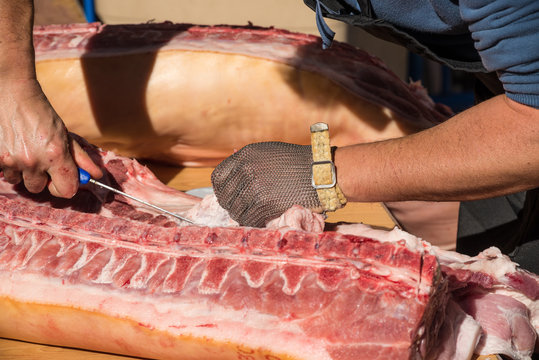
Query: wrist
340, 167
346, 166
23, 91
17, 65
21, 85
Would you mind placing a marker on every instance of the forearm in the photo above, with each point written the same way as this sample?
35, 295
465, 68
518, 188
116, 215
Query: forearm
16, 46
488, 150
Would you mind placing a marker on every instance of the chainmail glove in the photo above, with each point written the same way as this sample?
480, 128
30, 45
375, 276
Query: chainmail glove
263, 180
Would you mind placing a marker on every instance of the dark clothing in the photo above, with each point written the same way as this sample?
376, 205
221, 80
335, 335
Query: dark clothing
472, 35
478, 37
508, 222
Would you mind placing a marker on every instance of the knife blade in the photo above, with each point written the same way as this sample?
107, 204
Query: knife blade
85, 178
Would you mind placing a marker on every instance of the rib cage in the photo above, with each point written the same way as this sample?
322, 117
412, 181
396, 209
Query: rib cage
154, 259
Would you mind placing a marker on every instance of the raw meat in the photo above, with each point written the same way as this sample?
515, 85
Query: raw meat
459, 334
190, 94
110, 277
100, 273
502, 299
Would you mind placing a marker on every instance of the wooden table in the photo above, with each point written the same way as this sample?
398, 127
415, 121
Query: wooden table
21, 350
13, 349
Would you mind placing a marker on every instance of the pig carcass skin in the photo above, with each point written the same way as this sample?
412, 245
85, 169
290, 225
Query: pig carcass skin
191, 95
99, 272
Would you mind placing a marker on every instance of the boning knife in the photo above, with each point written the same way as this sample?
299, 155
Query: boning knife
85, 178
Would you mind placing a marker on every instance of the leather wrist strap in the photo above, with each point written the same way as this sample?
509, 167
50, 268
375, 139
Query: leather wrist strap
324, 178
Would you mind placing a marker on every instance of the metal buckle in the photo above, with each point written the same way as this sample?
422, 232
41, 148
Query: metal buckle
333, 176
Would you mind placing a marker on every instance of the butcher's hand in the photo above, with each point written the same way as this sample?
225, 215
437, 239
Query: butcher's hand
262, 180
34, 144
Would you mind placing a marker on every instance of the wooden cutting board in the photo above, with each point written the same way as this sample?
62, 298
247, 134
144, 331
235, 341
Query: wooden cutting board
13, 350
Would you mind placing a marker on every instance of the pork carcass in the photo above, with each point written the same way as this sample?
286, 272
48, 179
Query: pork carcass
493, 306
501, 298
191, 95
98, 272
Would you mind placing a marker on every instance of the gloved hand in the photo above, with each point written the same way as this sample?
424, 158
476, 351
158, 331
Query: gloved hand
263, 180
34, 143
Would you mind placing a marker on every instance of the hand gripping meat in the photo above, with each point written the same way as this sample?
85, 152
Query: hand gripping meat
263, 180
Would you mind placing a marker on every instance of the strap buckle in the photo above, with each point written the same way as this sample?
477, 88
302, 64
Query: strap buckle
333, 175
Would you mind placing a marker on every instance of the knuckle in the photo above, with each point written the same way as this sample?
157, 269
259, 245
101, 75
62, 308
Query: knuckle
217, 176
35, 183
64, 183
70, 191
7, 160
254, 149
9, 164
245, 169
28, 162
55, 151
63, 190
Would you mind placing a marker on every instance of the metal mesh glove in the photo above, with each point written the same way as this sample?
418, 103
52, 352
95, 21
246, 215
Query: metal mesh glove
263, 180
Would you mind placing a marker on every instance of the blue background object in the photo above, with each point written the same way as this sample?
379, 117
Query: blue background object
89, 10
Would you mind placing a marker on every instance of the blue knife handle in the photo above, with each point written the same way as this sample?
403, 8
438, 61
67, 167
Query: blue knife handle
84, 176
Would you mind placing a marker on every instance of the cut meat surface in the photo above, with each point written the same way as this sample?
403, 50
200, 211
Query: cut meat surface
459, 334
303, 298
106, 275
207, 292
506, 324
502, 298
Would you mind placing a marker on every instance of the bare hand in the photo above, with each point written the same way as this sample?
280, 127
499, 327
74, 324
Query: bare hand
34, 144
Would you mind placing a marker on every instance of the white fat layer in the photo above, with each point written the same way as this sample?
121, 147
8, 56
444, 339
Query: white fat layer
261, 49
468, 335
209, 213
459, 334
412, 242
176, 316
490, 261
495, 345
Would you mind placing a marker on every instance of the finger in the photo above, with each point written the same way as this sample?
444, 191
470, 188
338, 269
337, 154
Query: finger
12, 176
223, 183
83, 160
230, 180
35, 181
64, 178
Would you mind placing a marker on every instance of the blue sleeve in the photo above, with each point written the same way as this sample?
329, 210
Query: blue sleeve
506, 35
